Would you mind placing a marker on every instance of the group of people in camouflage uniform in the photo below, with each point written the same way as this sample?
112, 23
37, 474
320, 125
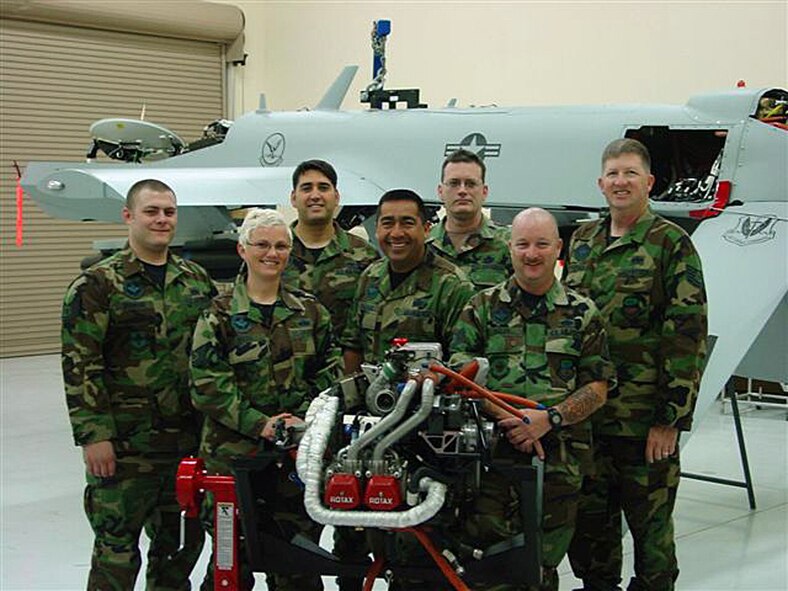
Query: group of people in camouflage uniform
157, 366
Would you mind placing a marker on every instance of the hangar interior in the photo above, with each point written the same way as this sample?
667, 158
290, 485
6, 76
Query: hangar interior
62, 67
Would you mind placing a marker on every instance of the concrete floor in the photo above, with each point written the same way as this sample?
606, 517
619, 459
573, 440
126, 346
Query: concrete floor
45, 540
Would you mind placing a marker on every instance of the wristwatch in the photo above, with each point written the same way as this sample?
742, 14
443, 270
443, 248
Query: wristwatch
555, 418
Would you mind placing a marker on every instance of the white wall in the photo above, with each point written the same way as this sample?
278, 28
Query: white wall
515, 53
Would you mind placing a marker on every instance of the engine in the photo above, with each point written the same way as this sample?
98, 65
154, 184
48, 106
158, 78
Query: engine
420, 443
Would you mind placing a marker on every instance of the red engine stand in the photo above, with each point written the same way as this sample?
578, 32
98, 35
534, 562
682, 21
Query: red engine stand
191, 483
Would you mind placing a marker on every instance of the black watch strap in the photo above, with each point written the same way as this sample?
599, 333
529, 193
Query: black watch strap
555, 418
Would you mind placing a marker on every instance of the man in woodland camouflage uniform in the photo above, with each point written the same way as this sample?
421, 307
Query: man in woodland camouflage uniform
326, 260
412, 293
645, 276
466, 237
548, 344
127, 327
261, 354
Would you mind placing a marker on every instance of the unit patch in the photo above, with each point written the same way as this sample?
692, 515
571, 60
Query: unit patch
133, 288
273, 150
240, 323
752, 230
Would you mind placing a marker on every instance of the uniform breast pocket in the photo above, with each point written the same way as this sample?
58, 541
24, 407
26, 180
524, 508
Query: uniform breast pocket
247, 359
247, 351
369, 317
303, 341
131, 335
633, 300
195, 302
505, 351
416, 323
506, 371
563, 354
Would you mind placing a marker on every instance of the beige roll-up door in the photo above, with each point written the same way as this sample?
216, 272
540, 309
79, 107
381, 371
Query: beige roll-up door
54, 82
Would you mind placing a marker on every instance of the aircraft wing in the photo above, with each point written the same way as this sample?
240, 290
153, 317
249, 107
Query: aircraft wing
743, 252
97, 191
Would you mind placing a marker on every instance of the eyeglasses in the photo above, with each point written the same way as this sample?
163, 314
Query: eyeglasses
279, 247
470, 184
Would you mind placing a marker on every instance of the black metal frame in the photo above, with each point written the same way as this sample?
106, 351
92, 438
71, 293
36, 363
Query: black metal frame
730, 392
518, 560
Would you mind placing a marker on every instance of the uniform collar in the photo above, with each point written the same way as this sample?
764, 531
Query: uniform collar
420, 278
242, 304
439, 237
133, 265
555, 296
339, 243
637, 235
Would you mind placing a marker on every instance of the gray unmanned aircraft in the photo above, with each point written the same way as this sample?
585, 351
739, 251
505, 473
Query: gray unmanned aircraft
720, 167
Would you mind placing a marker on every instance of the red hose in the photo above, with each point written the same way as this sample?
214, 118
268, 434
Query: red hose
513, 398
484, 392
468, 370
447, 571
373, 572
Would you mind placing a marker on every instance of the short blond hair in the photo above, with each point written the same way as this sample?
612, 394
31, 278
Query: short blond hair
262, 218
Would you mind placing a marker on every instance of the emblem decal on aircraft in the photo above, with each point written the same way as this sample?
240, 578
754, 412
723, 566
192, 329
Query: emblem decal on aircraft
476, 143
273, 151
752, 230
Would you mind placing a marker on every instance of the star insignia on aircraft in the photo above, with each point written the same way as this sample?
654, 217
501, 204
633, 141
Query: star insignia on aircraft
476, 143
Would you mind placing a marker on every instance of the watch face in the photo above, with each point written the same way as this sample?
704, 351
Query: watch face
555, 417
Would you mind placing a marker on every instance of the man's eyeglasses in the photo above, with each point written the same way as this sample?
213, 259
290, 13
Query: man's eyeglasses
470, 184
279, 247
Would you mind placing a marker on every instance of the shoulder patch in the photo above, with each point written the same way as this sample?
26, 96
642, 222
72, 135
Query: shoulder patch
581, 252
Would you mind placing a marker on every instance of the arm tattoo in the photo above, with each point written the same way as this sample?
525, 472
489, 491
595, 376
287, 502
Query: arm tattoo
582, 403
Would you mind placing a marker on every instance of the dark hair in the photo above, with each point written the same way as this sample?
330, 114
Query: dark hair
151, 185
627, 145
404, 195
320, 166
463, 156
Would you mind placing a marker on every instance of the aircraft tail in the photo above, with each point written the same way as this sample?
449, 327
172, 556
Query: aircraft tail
335, 94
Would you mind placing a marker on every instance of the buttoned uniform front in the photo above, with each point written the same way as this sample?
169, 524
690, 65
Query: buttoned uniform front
245, 371
333, 275
648, 285
423, 308
484, 256
544, 353
125, 351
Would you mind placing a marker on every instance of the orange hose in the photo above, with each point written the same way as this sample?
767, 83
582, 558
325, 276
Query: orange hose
513, 398
484, 392
373, 572
468, 370
447, 571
